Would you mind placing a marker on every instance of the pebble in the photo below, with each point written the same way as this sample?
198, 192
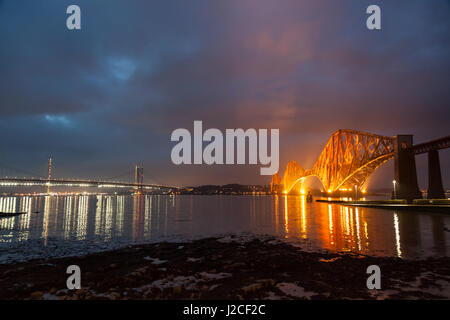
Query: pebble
79, 291
177, 290
37, 295
266, 282
252, 287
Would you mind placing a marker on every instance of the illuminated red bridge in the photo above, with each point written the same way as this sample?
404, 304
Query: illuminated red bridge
350, 157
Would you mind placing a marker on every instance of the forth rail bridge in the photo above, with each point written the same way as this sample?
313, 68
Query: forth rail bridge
350, 157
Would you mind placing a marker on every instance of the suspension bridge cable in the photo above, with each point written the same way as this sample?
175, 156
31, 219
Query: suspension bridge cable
153, 179
33, 174
129, 172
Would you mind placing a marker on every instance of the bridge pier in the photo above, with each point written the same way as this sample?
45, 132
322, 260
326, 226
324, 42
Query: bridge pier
435, 188
405, 169
49, 173
139, 177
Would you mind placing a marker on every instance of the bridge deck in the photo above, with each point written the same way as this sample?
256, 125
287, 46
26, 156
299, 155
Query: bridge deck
437, 144
76, 183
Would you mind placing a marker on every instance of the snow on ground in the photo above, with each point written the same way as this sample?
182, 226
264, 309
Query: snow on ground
291, 289
155, 260
189, 259
426, 283
215, 276
186, 282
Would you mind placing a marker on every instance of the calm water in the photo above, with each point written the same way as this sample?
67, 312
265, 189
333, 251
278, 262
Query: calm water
68, 225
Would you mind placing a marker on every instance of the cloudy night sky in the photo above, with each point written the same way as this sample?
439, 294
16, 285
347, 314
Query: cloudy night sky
109, 95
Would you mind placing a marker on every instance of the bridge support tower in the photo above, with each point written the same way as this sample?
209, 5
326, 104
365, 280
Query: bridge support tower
435, 188
405, 169
49, 173
139, 177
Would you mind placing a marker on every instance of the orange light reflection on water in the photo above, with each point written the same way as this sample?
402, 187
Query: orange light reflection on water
336, 227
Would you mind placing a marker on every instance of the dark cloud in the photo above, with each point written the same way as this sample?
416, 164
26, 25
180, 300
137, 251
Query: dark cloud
110, 94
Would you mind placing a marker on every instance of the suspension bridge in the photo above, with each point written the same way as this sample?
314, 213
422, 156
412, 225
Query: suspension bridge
49, 182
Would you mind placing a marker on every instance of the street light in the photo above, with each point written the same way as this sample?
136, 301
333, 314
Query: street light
356, 192
395, 189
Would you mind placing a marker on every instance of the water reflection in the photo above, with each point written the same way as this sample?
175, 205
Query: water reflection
81, 219
397, 236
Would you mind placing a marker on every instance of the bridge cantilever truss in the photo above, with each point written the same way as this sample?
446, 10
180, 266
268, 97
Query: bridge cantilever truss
350, 157
348, 160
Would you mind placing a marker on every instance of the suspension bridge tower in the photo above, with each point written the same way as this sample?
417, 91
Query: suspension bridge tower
138, 178
49, 173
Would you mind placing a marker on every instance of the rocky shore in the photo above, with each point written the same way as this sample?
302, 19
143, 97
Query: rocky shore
225, 268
